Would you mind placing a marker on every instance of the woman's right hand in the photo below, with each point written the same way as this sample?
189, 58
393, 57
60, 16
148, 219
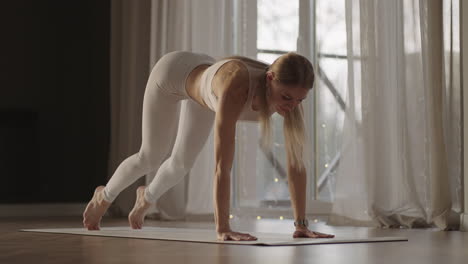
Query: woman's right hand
235, 236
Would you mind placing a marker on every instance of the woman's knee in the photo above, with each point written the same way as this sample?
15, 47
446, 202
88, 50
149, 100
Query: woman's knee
148, 161
180, 166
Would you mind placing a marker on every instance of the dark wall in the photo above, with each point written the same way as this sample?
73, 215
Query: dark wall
54, 99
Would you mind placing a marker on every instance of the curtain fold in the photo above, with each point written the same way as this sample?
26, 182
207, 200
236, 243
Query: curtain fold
394, 168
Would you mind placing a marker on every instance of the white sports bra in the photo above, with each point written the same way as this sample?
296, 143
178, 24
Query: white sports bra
210, 99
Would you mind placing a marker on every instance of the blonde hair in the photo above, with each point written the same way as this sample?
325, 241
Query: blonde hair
289, 69
294, 69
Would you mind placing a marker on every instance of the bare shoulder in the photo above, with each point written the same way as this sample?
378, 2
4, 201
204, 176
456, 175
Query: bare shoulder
233, 79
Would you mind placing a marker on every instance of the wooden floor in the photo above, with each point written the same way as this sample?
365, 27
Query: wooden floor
424, 246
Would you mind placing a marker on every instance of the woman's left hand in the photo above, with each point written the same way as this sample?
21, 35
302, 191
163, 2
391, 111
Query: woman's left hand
305, 232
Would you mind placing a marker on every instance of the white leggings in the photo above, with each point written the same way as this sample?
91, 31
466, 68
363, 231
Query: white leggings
161, 110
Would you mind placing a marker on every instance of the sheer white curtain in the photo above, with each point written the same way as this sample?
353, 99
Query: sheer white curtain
204, 26
402, 121
143, 31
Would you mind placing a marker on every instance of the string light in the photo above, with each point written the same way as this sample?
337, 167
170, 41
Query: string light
326, 165
231, 216
323, 125
259, 217
281, 217
276, 180
316, 221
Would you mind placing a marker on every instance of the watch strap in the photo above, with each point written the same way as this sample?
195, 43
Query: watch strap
301, 222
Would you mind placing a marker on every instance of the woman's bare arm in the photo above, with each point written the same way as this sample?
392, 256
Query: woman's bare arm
230, 107
232, 93
297, 183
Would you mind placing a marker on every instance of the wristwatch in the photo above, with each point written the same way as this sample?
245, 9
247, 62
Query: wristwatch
302, 222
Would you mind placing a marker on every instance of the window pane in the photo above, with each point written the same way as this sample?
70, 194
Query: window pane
258, 182
265, 186
267, 57
330, 117
331, 40
277, 24
331, 26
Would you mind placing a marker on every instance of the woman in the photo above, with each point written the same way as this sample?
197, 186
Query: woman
219, 93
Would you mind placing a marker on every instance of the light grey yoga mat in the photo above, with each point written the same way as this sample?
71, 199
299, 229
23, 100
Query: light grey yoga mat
209, 236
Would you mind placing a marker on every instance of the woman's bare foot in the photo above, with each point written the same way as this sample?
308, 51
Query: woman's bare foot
138, 213
96, 208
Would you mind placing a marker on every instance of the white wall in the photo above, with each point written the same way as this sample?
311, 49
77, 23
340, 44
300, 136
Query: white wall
464, 54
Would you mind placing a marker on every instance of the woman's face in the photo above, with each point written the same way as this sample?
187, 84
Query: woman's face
284, 98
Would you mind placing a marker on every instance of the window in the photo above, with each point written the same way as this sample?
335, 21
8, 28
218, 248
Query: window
260, 181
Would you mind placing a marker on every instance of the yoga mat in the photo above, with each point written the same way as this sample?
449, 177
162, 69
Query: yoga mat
209, 236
